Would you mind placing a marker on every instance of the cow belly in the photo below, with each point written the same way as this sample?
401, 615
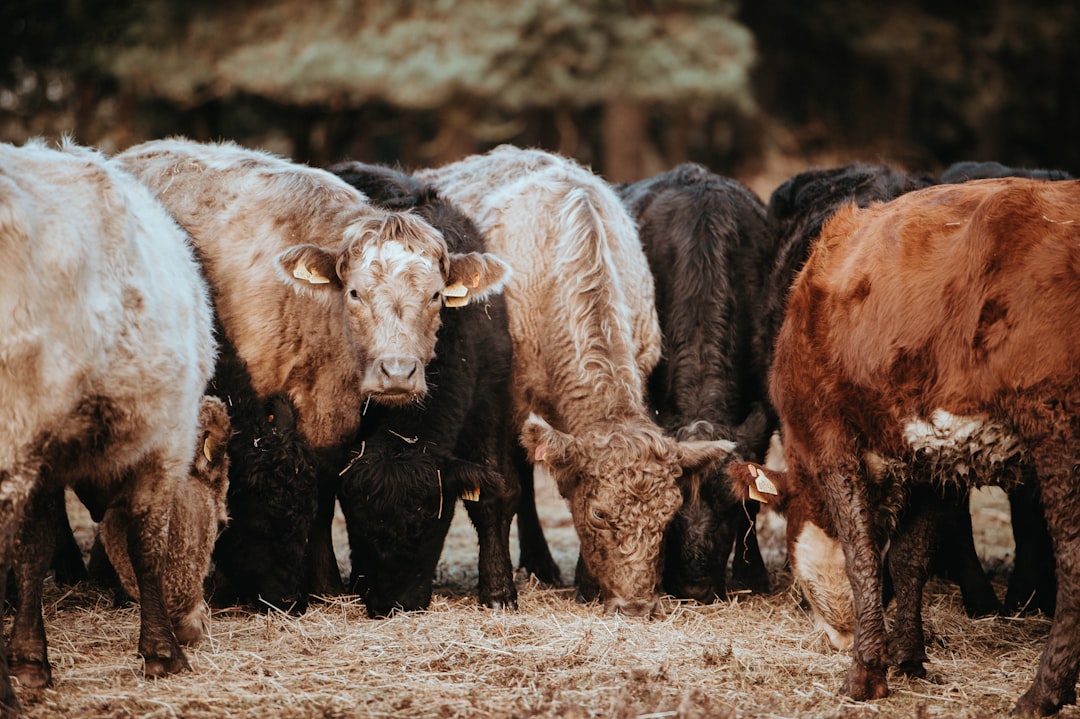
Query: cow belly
970, 448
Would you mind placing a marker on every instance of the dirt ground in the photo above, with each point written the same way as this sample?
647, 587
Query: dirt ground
755, 657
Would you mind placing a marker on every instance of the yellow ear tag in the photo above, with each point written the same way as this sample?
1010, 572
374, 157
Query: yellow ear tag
208, 449
456, 295
762, 486
471, 495
301, 272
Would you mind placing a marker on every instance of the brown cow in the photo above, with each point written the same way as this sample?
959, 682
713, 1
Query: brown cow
585, 337
325, 297
196, 514
935, 338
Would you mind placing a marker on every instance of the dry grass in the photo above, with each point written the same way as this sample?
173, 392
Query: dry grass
757, 657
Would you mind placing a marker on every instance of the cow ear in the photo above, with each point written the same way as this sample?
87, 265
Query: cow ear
308, 268
474, 276
752, 481
215, 432
549, 447
697, 455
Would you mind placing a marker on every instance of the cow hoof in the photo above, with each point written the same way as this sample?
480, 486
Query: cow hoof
912, 668
864, 683
161, 666
1031, 704
31, 674
9, 705
500, 600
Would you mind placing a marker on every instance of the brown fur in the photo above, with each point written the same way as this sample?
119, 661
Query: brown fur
585, 337
256, 219
196, 514
957, 298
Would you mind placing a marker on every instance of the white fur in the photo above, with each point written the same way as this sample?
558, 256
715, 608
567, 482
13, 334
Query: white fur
820, 571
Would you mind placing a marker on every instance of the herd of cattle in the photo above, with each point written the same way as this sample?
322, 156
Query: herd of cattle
212, 346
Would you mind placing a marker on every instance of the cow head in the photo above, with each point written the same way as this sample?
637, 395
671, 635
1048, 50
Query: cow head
622, 490
814, 551
398, 504
390, 278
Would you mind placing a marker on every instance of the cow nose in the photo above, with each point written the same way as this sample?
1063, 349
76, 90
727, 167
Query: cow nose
397, 370
631, 607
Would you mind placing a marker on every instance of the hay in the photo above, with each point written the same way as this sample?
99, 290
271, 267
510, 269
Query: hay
554, 657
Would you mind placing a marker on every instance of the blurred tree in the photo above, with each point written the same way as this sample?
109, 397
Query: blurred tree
476, 64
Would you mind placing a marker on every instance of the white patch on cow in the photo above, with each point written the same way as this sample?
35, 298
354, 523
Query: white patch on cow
818, 564
774, 456
393, 257
972, 437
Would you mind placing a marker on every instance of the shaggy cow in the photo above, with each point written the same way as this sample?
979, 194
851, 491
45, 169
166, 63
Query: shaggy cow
106, 349
326, 298
707, 244
412, 463
935, 334
196, 514
585, 337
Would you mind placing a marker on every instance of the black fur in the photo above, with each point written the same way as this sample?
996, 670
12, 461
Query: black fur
707, 245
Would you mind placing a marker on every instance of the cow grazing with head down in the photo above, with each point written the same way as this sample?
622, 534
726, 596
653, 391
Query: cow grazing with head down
326, 298
196, 514
931, 340
585, 337
412, 463
106, 349
708, 245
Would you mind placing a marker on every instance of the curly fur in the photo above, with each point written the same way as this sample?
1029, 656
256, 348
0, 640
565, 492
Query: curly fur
586, 336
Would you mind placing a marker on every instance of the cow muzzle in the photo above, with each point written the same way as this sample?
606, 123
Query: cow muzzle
632, 607
395, 380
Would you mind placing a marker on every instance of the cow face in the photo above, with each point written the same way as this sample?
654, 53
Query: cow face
622, 491
814, 551
390, 280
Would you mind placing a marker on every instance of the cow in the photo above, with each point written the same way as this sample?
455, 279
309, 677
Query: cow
929, 341
106, 350
1032, 584
196, 514
585, 337
796, 212
412, 463
326, 299
708, 246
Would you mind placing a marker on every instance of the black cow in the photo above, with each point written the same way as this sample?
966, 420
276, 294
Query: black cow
412, 463
707, 242
260, 558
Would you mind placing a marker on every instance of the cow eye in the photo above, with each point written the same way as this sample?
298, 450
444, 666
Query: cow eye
437, 296
598, 517
354, 294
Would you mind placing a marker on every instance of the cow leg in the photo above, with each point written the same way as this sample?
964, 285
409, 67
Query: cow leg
909, 559
962, 560
9, 703
1055, 681
28, 656
324, 576
747, 565
491, 516
852, 516
68, 566
147, 538
535, 554
1033, 582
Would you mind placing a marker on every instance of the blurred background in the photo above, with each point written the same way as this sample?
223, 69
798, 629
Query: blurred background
756, 90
